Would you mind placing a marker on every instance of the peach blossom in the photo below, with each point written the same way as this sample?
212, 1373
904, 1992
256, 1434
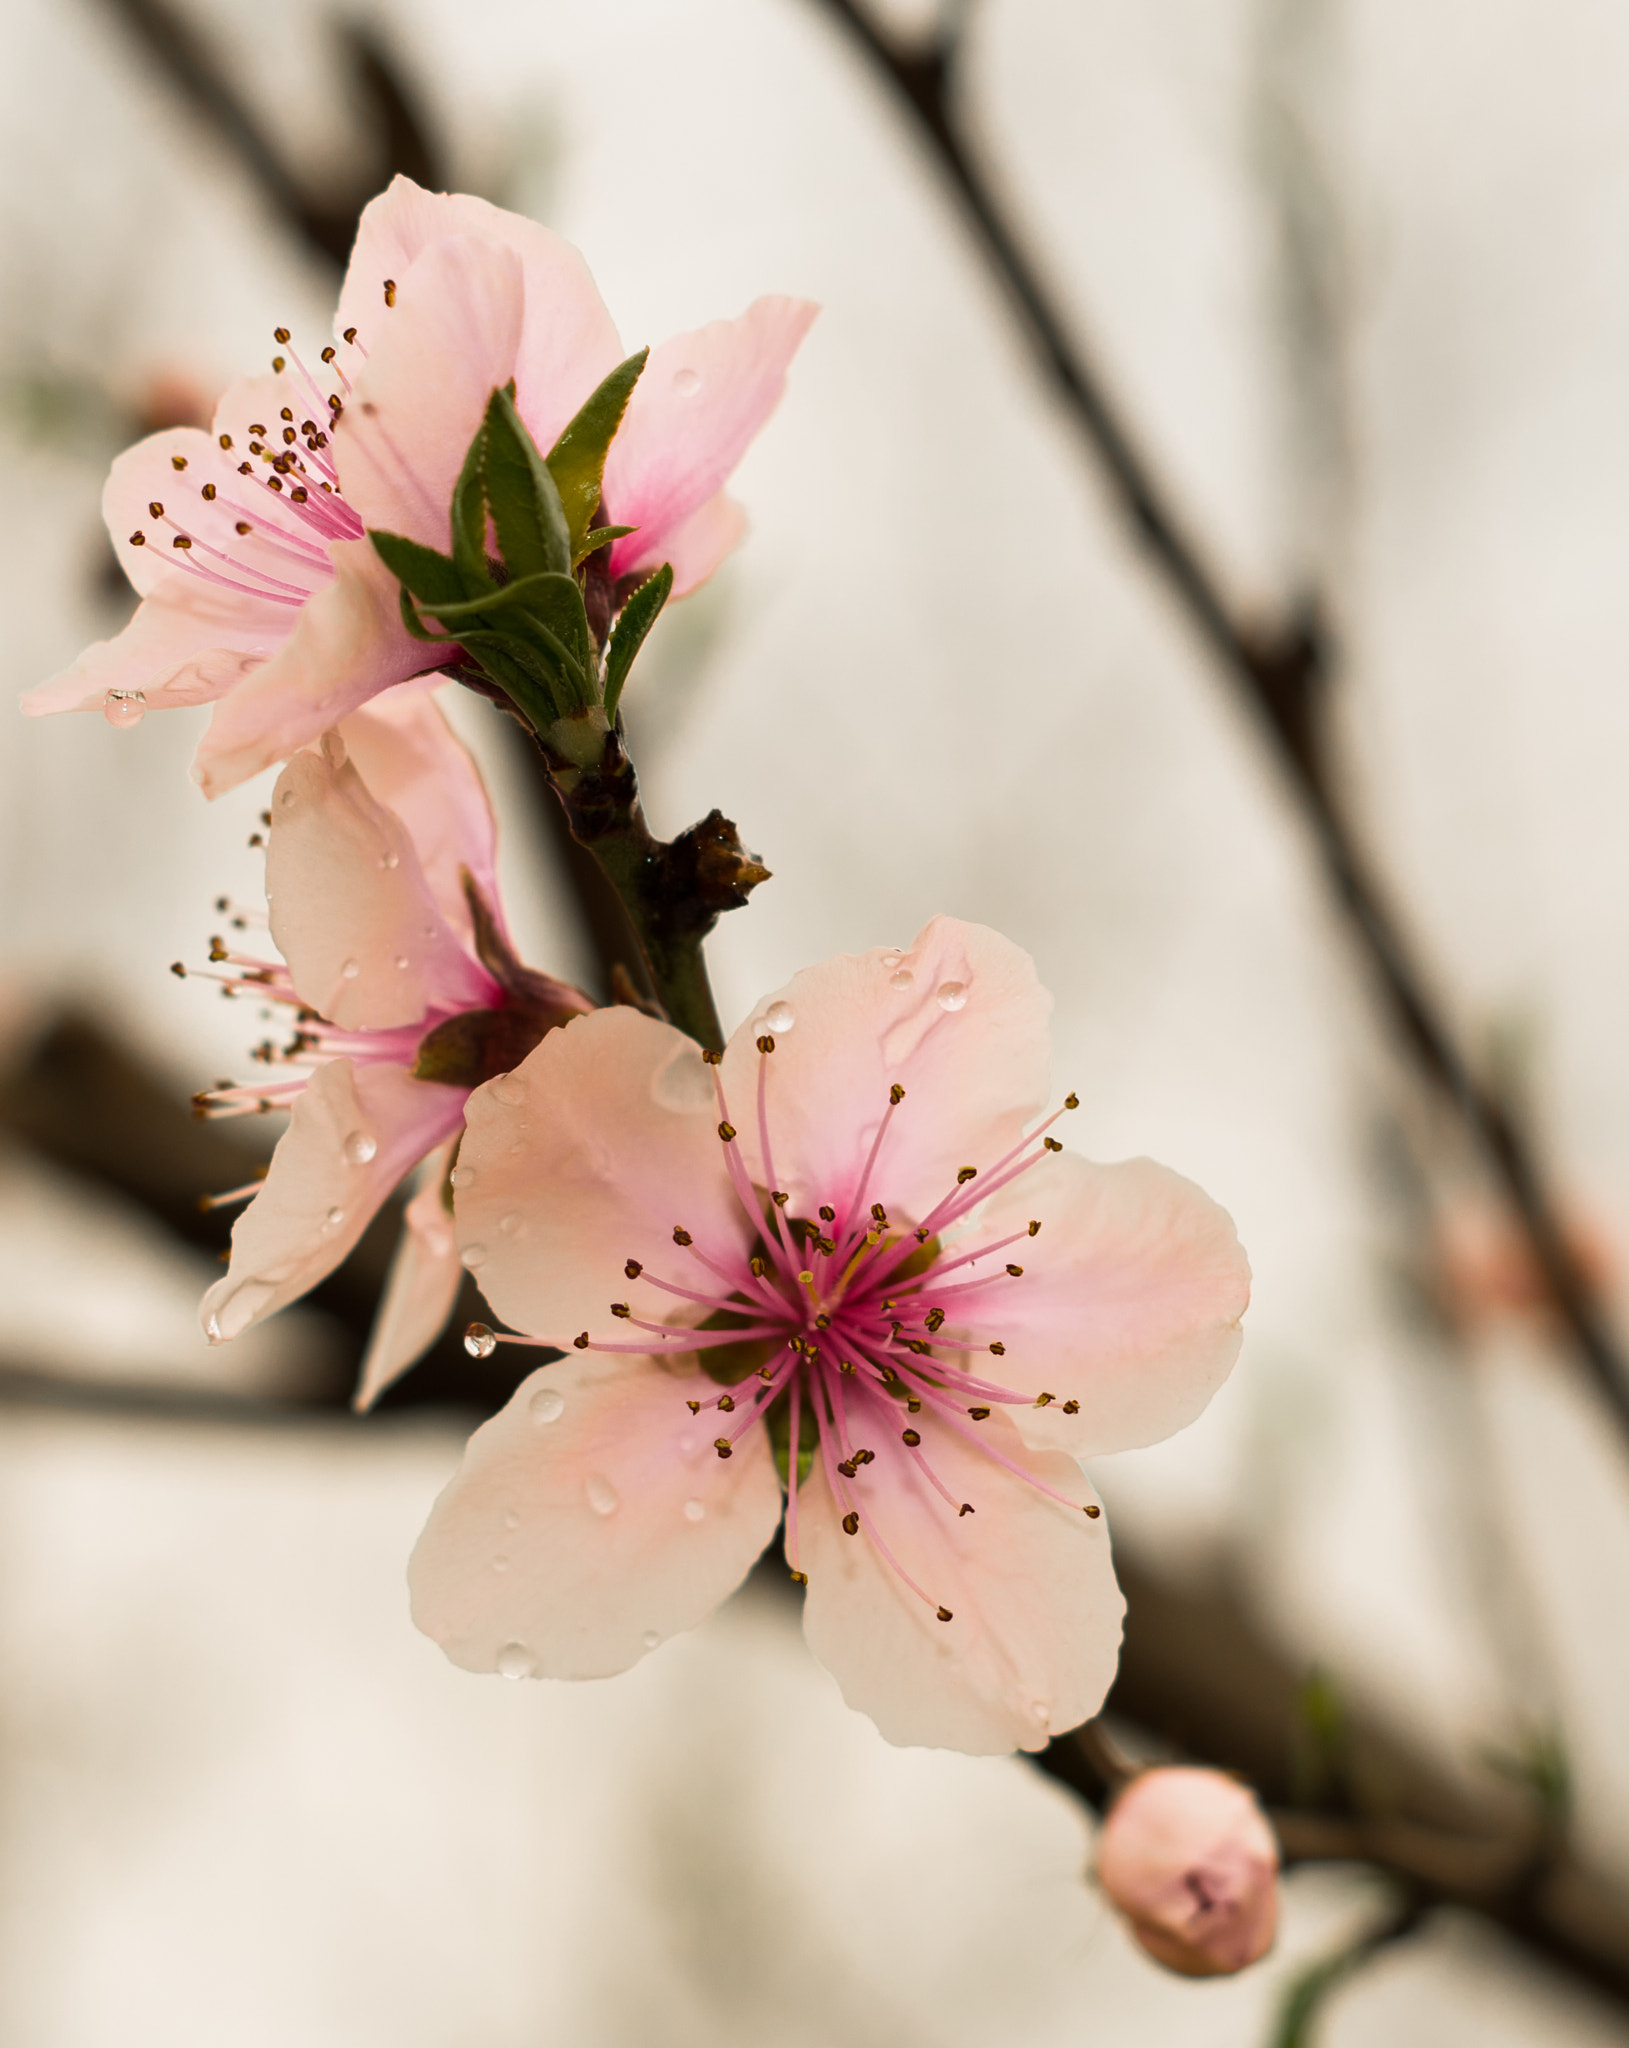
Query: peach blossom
825, 1252
1188, 1857
260, 592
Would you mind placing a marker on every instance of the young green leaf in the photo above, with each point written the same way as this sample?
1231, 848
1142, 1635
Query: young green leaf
577, 459
591, 543
638, 615
469, 513
433, 579
532, 534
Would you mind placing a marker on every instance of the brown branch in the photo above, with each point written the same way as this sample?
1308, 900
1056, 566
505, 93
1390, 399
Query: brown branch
1282, 675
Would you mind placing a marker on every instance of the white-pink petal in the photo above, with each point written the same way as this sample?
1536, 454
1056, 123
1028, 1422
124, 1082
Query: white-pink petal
589, 1521
351, 911
1129, 1301
354, 1133
959, 1021
599, 1144
425, 1277
188, 643
1033, 1641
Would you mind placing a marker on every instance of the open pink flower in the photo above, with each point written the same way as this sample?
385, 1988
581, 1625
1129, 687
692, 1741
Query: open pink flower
1188, 1857
396, 963
824, 1255
260, 591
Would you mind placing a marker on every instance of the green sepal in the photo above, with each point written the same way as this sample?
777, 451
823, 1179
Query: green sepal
469, 515
602, 536
634, 621
577, 459
433, 579
779, 1424
533, 535
502, 596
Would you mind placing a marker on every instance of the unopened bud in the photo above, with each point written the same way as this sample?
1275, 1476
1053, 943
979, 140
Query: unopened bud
1188, 1857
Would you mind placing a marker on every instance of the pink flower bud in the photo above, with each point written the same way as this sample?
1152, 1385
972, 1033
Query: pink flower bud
1188, 1857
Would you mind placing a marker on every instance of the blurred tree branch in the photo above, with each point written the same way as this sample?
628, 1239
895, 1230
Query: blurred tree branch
1282, 672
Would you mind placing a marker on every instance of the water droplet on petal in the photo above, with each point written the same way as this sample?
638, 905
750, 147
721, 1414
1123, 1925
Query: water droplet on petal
1042, 1710
516, 1661
461, 1176
903, 980
602, 1496
360, 1147
511, 1518
951, 995
390, 860
687, 382
124, 708
546, 1405
402, 963
779, 1017
506, 1091
651, 1640
512, 1224
695, 1510
500, 1564
480, 1341
212, 1330
335, 1218
473, 1255
351, 969
892, 957
287, 800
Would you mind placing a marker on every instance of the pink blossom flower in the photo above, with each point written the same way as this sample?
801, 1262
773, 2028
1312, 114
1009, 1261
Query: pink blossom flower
260, 591
1188, 1857
380, 859
825, 1255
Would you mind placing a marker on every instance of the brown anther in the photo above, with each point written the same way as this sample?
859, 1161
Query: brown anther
349, 335
822, 1321
279, 364
878, 1213
178, 462
800, 1578
580, 1343
848, 1468
1045, 1400
694, 1407
217, 950
1017, 1272
246, 469
723, 1446
727, 1403
766, 1043
255, 839
287, 413
274, 483
179, 969
621, 1310
922, 1236
726, 1132
824, 1246
910, 1436
633, 1269
896, 1095
918, 1345
1094, 1511
243, 526
299, 494
843, 1364
208, 491
914, 1405
999, 1348
1071, 1102
390, 291
979, 1414
865, 1457
289, 437
758, 1267
1034, 1229
827, 1213
778, 1198
329, 353
934, 1319
709, 1058
964, 1174
182, 541
945, 1614
256, 428
1053, 1144
155, 510
1071, 1407
851, 1524
138, 539
280, 334
966, 1508
681, 1235
226, 440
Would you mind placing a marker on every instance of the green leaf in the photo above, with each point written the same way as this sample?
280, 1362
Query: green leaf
433, 579
577, 459
547, 585
637, 617
469, 513
591, 543
525, 504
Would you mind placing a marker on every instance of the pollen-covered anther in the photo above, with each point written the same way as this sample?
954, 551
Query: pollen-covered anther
800, 1578
621, 1308
138, 539
390, 291
964, 1174
580, 1343
1071, 1102
979, 1414
758, 1267
779, 1198
999, 1348
822, 1321
681, 1235
766, 1043
944, 1614
1017, 1272
727, 1403
709, 1057
1053, 1144
1045, 1400
912, 1437
847, 1365
896, 1095
827, 1213
851, 1524
178, 462
966, 1508
694, 1407
633, 1269
723, 1446
879, 1214
848, 1468
1071, 1407
934, 1319
1034, 1229
209, 492
1093, 1510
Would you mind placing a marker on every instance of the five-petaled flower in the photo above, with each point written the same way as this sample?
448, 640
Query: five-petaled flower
840, 1261
260, 591
405, 993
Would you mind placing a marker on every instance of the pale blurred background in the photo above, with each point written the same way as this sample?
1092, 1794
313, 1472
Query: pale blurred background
1360, 273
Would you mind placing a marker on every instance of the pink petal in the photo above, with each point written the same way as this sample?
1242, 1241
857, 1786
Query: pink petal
348, 645
1034, 1635
1129, 1302
322, 1193
599, 1143
351, 911
567, 342
695, 547
423, 1286
973, 1076
147, 474
692, 417
589, 1521
405, 752
450, 341
188, 643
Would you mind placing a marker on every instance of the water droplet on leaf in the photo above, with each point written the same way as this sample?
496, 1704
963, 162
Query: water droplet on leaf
124, 708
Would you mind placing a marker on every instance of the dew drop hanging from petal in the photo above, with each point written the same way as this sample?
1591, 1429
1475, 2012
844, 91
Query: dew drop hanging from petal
124, 708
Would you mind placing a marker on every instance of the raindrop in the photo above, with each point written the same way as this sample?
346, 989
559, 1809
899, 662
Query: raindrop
351, 970
512, 1224
1042, 1710
461, 1176
360, 1147
473, 1255
124, 708
779, 1017
687, 382
480, 1340
694, 1510
904, 979
547, 1405
602, 1496
287, 800
651, 1640
951, 995
402, 963
516, 1661
212, 1330
892, 957
390, 860
335, 1218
